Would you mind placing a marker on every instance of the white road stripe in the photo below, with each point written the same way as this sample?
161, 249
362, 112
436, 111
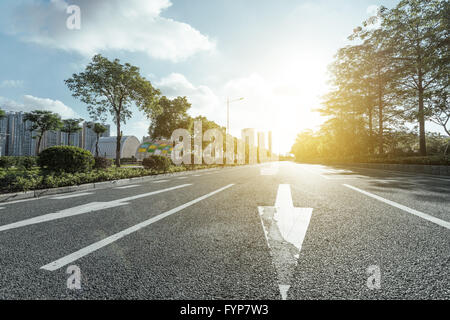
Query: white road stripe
85, 208
71, 196
181, 178
422, 215
128, 187
24, 200
55, 265
1, 208
197, 175
160, 181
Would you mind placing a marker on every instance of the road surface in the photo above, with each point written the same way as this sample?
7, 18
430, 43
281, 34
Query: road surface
271, 231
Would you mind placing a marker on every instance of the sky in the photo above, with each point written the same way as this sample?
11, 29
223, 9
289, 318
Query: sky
274, 54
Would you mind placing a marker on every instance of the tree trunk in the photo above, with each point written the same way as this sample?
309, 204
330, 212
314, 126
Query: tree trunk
96, 145
371, 147
421, 119
38, 146
380, 123
119, 137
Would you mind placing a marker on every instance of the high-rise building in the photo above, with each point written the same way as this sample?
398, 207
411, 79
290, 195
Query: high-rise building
3, 135
16, 139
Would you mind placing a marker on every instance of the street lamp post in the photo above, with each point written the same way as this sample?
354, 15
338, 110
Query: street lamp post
228, 112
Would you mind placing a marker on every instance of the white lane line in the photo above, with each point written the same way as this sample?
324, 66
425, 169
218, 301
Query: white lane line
197, 175
181, 178
1, 208
85, 208
24, 200
422, 215
341, 178
71, 196
55, 265
160, 181
130, 186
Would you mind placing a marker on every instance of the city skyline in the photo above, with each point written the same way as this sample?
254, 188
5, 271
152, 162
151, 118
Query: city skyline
17, 140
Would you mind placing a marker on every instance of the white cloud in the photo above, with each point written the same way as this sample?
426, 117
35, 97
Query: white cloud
133, 25
31, 103
372, 10
204, 101
273, 104
11, 84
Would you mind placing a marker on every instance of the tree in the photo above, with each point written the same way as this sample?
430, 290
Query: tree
111, 87
168, 116
419, 41
2, 114
41, 122
70, 126
98, 129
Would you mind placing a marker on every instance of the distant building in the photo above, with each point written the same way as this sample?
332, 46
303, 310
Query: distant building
15, 137
17, 140
107, 147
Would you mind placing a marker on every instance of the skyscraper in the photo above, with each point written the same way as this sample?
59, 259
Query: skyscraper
16, 139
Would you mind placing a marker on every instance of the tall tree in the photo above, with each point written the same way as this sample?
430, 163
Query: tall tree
71, 126
168, 116
417, 36
41, 122
111, 87
2, 114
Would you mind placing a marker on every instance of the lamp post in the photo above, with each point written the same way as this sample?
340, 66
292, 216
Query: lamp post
228, 112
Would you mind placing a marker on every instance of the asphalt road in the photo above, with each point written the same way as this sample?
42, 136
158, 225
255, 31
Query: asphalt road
272, 231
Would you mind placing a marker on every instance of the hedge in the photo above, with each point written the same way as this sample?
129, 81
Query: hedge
66, 159
159, 163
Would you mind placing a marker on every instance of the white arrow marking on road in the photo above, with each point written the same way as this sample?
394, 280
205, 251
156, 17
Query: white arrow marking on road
85, 208
285, 228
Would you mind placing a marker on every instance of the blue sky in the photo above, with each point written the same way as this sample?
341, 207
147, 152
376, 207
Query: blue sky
272, 53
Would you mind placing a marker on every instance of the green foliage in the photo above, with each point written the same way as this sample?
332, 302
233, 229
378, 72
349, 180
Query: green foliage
396, 72
7, 162
41, 122
167, 116
102, 163
70, 126
66, 159
2, 114
98, 129
19, 179
27, 162
158, 163
111, 87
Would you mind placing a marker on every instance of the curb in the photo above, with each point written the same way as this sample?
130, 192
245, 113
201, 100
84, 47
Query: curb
410, 168
89, 186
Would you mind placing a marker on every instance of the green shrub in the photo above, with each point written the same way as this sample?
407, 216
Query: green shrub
102, 163
158, 163
7, 162
66, 159
27, 162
